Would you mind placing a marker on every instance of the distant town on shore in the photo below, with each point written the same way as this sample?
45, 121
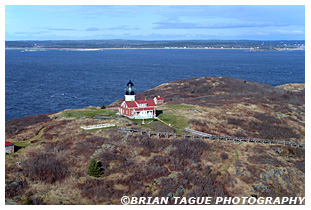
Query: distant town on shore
177, 44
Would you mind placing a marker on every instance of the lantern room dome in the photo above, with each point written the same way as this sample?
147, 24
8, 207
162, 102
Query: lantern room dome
129, 88
130, 83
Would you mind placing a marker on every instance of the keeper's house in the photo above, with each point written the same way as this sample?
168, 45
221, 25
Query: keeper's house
138, 109
9, 147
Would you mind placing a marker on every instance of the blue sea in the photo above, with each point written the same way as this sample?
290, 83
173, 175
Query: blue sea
49, 81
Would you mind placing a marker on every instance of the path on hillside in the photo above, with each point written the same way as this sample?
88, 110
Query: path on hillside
163, 122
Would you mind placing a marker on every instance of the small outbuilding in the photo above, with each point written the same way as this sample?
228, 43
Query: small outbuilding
9, 147
158, 100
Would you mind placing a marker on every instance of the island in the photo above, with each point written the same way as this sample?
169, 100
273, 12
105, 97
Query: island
212, 137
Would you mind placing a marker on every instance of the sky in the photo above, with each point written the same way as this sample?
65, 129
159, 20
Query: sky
180, 22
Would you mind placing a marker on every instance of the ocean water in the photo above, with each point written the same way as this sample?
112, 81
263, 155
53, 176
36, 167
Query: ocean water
49, 81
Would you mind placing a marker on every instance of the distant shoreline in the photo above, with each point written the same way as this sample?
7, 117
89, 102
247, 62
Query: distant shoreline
137, 48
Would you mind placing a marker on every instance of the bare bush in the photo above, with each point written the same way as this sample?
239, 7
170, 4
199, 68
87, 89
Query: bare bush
98, 191
167, 185
300, 165
267, 118
15, 188
155, 171
58, 146
108, 156
189, 149
158, 160
204, 186
148, 143
87, 147
235, 121
224, 156
45, 167
265, 159
270, 131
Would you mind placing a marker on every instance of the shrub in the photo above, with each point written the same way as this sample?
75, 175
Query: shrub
45, 167
159, 160
94, 169
235, 121
270, 131
168, 185
224, 156
87, 148
154, 171
108, 156
189, 149
265, 159
58, 146
98, 191
300, 165
267, 118
15, 188
205, 185
103, 107
147, 142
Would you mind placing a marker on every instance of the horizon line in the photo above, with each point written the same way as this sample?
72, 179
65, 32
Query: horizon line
157, 40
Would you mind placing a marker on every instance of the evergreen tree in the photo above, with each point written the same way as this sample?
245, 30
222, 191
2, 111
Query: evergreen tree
94, 169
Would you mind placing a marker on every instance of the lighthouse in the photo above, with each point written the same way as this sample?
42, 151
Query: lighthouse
138, 109
129, 94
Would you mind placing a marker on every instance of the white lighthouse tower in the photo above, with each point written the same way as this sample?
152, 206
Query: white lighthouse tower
129, 94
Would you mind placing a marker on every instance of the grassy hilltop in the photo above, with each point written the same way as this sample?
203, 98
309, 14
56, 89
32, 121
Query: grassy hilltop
50, 166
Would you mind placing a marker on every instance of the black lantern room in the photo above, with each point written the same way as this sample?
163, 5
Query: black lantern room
130, 88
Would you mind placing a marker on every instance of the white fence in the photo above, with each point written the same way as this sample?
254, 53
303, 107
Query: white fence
90, 127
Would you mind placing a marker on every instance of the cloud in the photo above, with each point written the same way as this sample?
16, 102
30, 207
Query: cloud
61, 29
208, 25
30, 33
289, 14
92, 29
289, 32
123, 27
53, 29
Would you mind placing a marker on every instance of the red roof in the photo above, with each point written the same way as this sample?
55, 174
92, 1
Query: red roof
149, 102
133, 104
160, 98
8, 143
143, 109
130, 104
